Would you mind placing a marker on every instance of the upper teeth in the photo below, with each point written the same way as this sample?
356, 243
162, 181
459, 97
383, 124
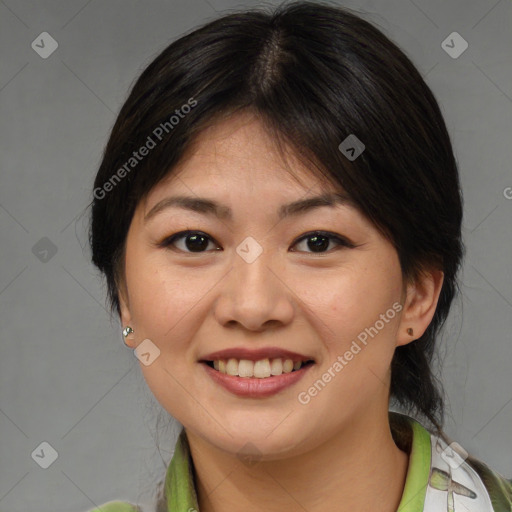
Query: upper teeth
259, 369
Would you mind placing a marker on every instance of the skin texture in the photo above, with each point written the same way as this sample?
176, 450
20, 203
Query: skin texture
323, 455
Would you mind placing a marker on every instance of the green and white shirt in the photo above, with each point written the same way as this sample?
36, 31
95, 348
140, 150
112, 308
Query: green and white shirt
440, 477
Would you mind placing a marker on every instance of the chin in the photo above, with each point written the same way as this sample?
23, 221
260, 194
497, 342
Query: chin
259, 439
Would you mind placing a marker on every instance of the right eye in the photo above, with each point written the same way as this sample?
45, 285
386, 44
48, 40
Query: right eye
195, 241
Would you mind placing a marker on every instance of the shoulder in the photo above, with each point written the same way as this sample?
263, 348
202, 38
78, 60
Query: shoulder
453, 475
498, 487
116, 506
483, 488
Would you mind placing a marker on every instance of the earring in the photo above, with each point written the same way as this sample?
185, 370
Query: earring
410, 332
128, 331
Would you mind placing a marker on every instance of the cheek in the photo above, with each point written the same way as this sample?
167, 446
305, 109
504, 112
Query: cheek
354, 303
153, 288
358, 325
164, 299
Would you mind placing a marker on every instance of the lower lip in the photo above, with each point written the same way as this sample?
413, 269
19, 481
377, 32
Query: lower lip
252, 387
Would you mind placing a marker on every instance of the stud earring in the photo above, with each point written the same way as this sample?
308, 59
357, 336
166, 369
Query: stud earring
410, 332
128, 331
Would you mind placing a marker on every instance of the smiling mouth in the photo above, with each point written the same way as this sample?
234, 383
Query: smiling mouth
261, 369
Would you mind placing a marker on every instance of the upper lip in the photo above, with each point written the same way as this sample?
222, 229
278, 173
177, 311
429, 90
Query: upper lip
255, 354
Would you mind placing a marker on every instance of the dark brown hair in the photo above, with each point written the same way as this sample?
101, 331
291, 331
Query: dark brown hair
313, 74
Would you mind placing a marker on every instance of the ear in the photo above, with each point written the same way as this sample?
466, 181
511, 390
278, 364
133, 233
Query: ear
126, 317
420, 305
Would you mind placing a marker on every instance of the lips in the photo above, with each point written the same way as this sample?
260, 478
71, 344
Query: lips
256, 373
256, 354
256, 388
262, 363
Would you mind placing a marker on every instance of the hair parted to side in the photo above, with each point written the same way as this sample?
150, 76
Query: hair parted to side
313, 74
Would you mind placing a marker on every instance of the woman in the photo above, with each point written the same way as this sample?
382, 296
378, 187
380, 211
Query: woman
278, 217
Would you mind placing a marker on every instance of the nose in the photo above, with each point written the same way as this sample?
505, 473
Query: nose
254, 295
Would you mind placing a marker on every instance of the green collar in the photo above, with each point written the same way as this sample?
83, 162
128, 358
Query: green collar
181, 492
418, 472
179, 482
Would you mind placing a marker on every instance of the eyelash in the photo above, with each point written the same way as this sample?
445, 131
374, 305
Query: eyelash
341, 241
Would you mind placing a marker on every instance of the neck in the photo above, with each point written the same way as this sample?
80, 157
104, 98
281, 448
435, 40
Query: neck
359, 468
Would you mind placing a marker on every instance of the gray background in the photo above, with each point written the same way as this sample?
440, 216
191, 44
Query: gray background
65, 376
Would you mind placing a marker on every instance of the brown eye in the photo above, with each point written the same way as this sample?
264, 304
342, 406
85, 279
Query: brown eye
197, 242
318, 241
194, 241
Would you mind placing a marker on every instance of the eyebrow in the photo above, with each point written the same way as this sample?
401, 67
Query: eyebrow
213, 208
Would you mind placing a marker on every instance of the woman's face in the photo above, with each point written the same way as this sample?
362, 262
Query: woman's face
250, 284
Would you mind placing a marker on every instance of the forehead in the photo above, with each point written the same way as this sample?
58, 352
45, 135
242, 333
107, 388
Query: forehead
238, 153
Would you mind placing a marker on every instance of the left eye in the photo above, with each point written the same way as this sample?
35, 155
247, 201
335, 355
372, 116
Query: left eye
320, 239
197, 241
